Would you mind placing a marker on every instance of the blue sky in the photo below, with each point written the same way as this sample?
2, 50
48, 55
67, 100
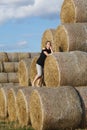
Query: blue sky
22, 23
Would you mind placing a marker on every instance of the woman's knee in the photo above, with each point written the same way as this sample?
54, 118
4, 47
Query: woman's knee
39, 75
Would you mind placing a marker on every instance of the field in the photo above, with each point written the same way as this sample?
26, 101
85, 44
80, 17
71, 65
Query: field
13, 126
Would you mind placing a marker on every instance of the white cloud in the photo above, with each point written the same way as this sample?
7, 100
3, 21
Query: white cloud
22, 43
19, 45
15, 2
15, 9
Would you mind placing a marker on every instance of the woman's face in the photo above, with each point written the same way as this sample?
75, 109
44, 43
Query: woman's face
48, 45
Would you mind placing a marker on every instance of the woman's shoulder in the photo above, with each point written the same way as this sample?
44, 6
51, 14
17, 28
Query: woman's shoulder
43, 49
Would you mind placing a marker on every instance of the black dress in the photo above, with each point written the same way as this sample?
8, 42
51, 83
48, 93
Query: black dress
42, 57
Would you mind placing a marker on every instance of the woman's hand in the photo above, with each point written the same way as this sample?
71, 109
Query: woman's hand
51, 49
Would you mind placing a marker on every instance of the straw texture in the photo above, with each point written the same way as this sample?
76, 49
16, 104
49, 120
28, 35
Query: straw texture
13, 57
10, 67
48, 35
3, 57
24, 72
83, 96
3, 78
12, 112
68, 68
23, 108
55, 109
71, 37
3, 102
74, 11
13, 77
22, 55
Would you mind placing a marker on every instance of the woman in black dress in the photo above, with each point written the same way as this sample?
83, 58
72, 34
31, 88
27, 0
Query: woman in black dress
40, 62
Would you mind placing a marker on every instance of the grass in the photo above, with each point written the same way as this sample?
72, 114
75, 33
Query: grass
13, 126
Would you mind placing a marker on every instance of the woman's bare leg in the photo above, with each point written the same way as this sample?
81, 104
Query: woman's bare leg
35, 79
38, 82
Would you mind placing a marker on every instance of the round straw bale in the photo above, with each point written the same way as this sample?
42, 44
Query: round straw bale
9, 66
70, 37
13, 57
16, 66
22, 55
23, 109
12, 112
24, 72
33, 54
67, 68
55, 108
83, 95
1, 67
33, 71
13, 77
0, 85
48, 36
3, 78
16, 84
3, 102
7, 84
73, 11
3, 57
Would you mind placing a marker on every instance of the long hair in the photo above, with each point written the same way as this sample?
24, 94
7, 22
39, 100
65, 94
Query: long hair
49, 42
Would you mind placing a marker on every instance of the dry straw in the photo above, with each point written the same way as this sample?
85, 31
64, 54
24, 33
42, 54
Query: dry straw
33, 70
3, 57
24, 72
83, 96
23, 108
70, 37
13, 77
10, 67
68, 68
13, 57
3, 102
7, 84
1, 67
12, 112
3, 78
48, 35
22, 55
33, 54
49, 108
73, 11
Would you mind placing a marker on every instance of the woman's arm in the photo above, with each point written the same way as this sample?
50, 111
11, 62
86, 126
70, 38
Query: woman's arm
46, 53
51, 50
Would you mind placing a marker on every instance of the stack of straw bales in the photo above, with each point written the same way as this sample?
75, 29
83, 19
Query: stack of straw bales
27, 70
74, 11
72, 34
58, 105
55, 108
71, 37
9, 67
68, 65
67, 68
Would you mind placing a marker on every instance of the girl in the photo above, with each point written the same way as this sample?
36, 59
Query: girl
40, 62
